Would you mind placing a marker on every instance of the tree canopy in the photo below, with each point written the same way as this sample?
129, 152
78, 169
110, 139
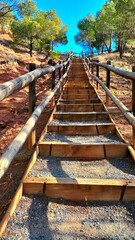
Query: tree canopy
114, 21
32, 27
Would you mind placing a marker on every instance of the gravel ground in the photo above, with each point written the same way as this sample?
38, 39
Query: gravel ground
75, 139
61, 122
41, 218
121, 168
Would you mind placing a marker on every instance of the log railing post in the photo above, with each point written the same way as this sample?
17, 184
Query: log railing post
53, 76
108, 83
92, 70
53, 85
133, 105
89, 64
97, 73
63, 69
59, 71
66, 65
32, 101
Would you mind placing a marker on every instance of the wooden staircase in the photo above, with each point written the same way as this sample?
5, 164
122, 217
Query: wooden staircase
81, 132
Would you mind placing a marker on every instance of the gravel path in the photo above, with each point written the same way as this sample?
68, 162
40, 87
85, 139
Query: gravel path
75, 139
61, 122
40, 218
65, 168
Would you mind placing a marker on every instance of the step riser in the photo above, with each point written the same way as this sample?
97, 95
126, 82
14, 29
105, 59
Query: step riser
81, 117
81, 189
80, 108
89, 151
87, 96
83, 130
76, 92
78, 85
69, 88
79, 101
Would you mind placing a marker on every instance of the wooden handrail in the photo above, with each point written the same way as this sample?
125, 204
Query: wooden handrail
127, 114
6, 89
120, 72
22, 136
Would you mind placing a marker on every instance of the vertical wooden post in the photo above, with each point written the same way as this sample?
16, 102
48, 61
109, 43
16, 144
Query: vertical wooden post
133, 105
97, 73
59, 71
89, 64
66, 65
63, 69
92, 70
53, 76
108, 83
32, 100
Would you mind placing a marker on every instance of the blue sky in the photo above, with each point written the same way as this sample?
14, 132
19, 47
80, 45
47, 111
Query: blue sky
70, 12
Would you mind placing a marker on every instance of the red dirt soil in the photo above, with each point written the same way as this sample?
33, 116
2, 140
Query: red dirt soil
14, 114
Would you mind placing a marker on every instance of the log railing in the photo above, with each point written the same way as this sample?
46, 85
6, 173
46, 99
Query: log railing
128, 75
7, 89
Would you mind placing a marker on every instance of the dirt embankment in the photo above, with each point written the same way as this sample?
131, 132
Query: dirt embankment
120, 87
14, 111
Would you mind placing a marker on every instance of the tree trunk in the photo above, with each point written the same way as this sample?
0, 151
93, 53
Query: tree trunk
121, 49
118, 45
106, 47
110, 42
31, 46
52, 45
102, 47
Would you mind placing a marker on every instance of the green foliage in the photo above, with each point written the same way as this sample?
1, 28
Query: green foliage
27, 8
6, 7
116, 20
59, 52
38, 28
67, 53
6, 13
86, 35
53, 54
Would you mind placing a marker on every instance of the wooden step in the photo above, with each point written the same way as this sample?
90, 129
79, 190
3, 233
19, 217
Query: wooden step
77, 84
80, 107
89, 151
81, 96
95, 129
80, 189
80, 91
69, 87
81, 116
79, 101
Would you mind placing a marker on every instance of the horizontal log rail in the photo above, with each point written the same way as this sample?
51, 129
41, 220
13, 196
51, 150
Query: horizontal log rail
120, 72
6, 89
11, 152
127, 114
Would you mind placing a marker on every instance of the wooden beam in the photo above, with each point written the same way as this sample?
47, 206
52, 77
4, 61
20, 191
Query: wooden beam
129, 194
78, 189
90, 116
11, 86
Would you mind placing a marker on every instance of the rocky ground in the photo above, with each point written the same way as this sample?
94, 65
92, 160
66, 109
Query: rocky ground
41, 218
